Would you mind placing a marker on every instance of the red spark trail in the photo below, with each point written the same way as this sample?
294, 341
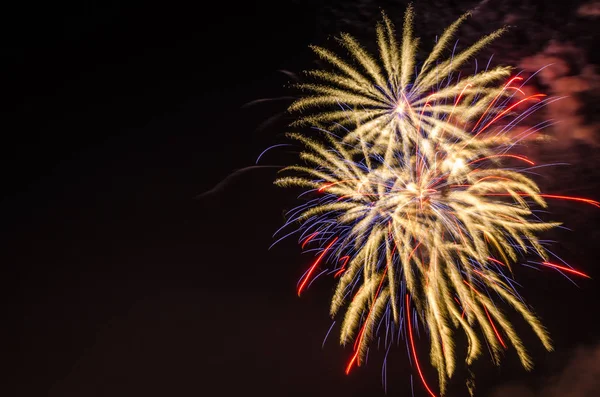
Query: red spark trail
554, 196
357, 292
412, 343
493, 177
463, 312
566, 269
523, 158
421, 116
488, 316
495, 99
484, 276
506, 111
517, 89
494, 327
312, 268
309, 238
413, 251
583, 200
339, 272
458, 99
496, 261
362, 329
328, 185
460, 232
455, 103
349, 367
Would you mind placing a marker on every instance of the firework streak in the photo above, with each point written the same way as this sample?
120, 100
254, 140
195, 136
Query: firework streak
411, 201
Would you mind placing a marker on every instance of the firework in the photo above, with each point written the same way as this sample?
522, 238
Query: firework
371, 99
415, 201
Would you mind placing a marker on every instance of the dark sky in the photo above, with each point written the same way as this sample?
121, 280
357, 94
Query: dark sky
117, 282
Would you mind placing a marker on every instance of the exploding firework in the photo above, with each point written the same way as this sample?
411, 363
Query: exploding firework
414, 198
379, 98
434, 229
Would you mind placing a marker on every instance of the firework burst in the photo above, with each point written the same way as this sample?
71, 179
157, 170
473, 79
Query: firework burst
415, 200
440, 230
371, 99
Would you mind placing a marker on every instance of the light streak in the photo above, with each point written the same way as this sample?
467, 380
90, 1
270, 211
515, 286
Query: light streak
312, 268
566, 269
414, 352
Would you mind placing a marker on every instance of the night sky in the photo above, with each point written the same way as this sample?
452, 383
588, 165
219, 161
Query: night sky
118, 280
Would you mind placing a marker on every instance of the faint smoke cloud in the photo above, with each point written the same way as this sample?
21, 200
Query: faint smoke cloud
567, 74
590, 10
580, 378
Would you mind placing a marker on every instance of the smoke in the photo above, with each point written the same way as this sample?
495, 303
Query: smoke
567, 74
579, 378
591, 10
